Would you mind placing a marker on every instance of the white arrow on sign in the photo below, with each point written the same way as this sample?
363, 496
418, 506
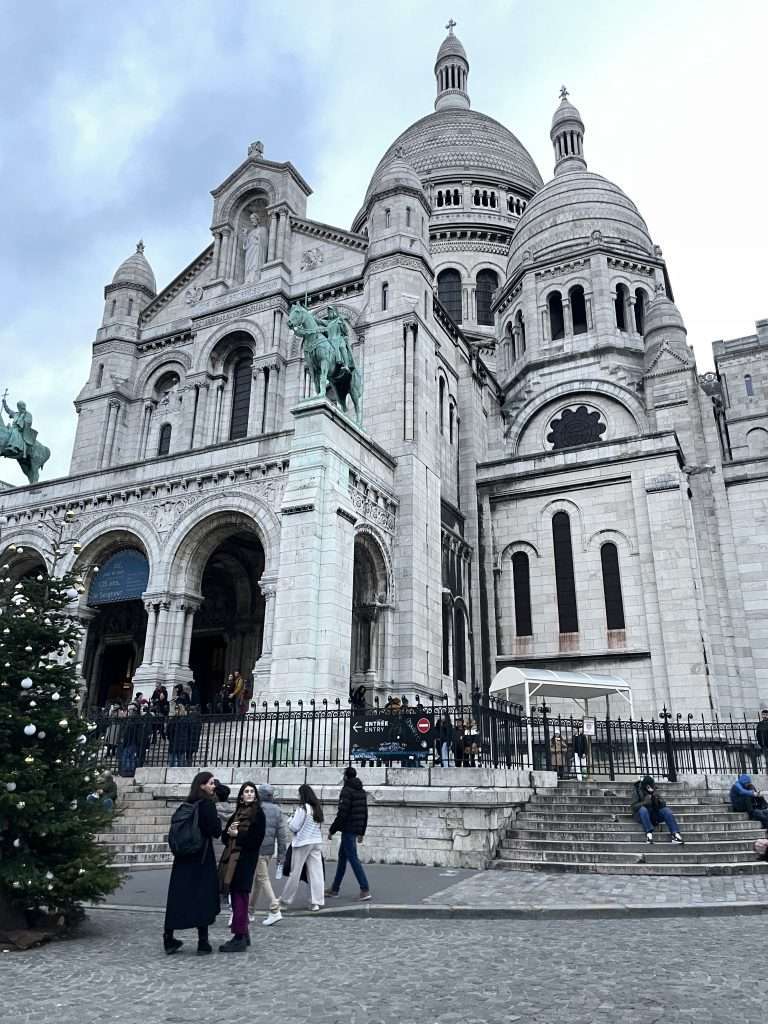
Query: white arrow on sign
357, 727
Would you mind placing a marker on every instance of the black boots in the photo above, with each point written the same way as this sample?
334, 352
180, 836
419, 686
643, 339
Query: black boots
237, 944
171, 945
203, 945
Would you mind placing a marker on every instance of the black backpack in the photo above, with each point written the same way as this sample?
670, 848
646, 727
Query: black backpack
185, 837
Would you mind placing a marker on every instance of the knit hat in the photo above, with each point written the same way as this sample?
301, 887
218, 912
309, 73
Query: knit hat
266, 792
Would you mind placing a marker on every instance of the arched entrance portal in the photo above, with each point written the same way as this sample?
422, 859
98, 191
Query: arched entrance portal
370, 603
118, 628
229, 624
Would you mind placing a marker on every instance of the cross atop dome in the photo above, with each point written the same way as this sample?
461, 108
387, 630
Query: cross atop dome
451, 73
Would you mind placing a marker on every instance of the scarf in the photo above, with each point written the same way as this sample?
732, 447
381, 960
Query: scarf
243, 817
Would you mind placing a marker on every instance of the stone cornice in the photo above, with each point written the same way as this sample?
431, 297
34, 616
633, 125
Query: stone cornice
260, 163
120, 286
328, 233
174, 339
398, 260
180, 281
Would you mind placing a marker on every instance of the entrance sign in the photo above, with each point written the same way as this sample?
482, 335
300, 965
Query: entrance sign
123, 577
589, 726
381, 736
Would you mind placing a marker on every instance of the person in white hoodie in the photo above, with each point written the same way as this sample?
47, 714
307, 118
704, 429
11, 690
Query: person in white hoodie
307, 844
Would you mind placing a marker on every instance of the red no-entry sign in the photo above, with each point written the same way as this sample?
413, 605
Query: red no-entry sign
423, 726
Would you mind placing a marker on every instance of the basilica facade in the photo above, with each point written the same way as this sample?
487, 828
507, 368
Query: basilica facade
538, 475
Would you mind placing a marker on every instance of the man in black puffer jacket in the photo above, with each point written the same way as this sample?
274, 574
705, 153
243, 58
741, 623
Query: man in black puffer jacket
351, 820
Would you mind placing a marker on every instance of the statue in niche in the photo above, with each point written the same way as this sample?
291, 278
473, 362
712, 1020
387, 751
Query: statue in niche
19, 441
253, 244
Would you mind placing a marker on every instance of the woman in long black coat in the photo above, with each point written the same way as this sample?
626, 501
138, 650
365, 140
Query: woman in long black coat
193, 891
244, 835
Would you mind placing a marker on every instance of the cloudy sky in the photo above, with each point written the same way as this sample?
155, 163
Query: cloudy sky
117, 120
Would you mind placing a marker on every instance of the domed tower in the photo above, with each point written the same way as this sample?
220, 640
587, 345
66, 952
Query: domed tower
398, 219
132, 288
478, 179
581, 273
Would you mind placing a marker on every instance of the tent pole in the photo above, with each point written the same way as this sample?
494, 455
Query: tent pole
528, 724
634, 731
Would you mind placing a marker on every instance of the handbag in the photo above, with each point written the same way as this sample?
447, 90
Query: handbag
304, 877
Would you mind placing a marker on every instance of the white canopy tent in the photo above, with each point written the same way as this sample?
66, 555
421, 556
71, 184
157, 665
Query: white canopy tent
519, 685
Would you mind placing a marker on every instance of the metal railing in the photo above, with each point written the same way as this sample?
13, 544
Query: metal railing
485, 733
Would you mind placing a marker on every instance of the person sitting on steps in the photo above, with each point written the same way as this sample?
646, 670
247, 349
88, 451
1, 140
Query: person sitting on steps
747, 799
650, 810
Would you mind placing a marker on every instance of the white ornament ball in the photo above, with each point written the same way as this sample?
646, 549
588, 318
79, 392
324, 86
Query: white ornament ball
39, 579
17, 885
10, 786
81, 871
41, 735
17, 843
26, 683
27, 648
30, 730
6, 631
55, 696
33, 703
49, 876
73, 805
64, 724
49, 888
21, 805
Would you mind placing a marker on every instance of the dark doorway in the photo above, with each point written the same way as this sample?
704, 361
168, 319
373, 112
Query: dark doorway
207, 659
116, 668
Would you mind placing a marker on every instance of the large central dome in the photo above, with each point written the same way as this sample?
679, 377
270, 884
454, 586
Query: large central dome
456, 143
459, 143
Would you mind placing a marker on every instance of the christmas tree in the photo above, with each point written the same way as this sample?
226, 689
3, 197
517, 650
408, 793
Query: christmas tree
49, 859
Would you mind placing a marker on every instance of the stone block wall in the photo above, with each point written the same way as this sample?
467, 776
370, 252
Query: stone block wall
449, 817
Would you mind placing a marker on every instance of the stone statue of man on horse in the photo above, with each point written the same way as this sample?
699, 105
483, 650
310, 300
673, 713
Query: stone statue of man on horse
328, 355
19, 441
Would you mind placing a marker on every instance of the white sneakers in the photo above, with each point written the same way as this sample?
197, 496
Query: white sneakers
677, 838
649, 837
272, 918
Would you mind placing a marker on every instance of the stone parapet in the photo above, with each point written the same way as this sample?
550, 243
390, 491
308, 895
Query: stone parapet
450, 817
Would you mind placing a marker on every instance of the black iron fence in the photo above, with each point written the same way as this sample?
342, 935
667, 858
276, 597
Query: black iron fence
485, 733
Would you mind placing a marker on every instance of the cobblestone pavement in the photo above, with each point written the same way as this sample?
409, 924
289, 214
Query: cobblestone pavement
534, 888
329, 971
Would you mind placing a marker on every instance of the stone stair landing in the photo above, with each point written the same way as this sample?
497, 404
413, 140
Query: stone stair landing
587, 827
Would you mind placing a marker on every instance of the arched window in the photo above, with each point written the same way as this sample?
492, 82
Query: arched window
241, 396
519, 320
487, 283
757, 441
614, 605
100, 375
521, 585
564, 578
130, 307
442, 405
164, 444
493, 200
578, 309
476, 197
447, 639
748, 385
384, 296
556, 321
407, 216
451, 415
440, 198
641, 301
456, 197
449, 293
387, 218
114, 307
460, 645
620, 304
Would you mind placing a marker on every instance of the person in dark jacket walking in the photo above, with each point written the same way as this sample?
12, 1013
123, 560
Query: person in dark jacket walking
193, 891
351, 820
747, 799
276, 831
650, 809
244, 832
761, 735
446, 738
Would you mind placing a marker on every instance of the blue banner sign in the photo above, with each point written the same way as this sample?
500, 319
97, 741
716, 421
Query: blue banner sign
123, 577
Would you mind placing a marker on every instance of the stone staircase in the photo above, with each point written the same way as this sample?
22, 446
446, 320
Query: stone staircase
139, 832
587, 827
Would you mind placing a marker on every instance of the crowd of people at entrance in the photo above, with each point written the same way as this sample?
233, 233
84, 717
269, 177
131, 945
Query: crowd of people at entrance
255, 835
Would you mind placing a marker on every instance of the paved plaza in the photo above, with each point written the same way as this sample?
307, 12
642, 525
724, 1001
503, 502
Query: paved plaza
314, 970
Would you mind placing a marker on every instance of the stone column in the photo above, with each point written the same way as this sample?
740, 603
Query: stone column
149, 639
272, 238
200, 421
160, 652
567, 318
268, 590
630, 315
274, 385
409, 373
216, 252
282, 245
256, 411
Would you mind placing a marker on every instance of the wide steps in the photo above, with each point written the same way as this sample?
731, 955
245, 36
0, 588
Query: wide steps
670, 854
605, 868
630, 831
607, 845
601, 817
